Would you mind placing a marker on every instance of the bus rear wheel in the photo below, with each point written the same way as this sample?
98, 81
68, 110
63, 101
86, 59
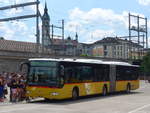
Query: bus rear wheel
104, 93
75, 94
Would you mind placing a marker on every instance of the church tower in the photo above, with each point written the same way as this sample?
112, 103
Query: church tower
76, 36
46, 28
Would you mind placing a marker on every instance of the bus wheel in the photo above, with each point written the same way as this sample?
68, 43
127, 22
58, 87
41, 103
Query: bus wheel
104, 93
128, 90
75, 94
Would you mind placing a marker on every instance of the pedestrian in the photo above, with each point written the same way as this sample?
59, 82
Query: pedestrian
4, 84
1, 89
14, 86
22, 87
16, 83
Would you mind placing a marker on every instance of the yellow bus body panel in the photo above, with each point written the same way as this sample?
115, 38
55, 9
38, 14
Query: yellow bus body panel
122, 85
89, 88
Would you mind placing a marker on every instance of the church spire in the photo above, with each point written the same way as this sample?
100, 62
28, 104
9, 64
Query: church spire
45, 10
76, 36
46, 15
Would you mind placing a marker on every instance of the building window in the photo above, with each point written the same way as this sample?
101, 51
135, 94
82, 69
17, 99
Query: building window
105, 47
118, 47
115, 53
114, 47
105, 53
121, 48
121, 54
118, 54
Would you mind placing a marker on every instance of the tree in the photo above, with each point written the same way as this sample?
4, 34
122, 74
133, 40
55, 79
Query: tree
1, 38
146, 64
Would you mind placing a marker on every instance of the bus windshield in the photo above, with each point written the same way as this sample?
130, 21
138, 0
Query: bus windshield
43, 73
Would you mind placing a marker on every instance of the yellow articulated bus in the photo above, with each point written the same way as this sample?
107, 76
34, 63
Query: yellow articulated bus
69, 78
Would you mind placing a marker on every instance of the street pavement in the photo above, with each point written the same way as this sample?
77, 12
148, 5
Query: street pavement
137, 101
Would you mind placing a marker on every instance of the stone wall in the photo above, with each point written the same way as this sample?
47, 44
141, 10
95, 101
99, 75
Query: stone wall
10, 65
11, 60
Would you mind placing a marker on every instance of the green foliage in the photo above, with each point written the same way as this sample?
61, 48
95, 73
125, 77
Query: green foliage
1, 38
145, 67
84, 55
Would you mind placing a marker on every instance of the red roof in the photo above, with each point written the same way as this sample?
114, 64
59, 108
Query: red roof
60, 41
9, 45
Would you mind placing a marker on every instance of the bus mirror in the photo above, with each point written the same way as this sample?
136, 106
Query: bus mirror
62, 72
24, 67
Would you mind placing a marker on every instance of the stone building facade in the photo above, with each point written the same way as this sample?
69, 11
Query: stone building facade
116, 48
85, 49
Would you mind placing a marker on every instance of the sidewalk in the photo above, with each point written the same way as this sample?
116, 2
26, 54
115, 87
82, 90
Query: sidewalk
6, 102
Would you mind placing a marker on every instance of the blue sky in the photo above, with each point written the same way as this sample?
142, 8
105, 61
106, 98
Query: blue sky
92, 19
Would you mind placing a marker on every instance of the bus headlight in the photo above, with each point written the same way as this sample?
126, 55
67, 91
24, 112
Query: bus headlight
28, 92
54, 93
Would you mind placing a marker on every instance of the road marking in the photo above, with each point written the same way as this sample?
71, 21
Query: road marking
138, 109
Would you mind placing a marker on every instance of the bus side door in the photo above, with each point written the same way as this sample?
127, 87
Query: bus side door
112, 78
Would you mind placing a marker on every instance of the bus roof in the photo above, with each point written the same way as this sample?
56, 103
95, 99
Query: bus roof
92, 61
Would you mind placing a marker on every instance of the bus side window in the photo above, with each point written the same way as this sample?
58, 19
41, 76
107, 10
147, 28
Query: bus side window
105, 73
79, 73
119, 73
129, 73
68, 74
134, 73
87, 73
98, 73
122, 73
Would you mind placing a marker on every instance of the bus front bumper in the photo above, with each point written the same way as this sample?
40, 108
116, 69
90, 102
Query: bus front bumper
48, 93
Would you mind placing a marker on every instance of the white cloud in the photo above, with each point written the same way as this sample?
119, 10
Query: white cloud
12, 12
98, 22
98, 35
21, 26
4, 1
18, 30
73, 26
6, 31
102, 33
144, 2
14, 1
97, 15
41, 8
